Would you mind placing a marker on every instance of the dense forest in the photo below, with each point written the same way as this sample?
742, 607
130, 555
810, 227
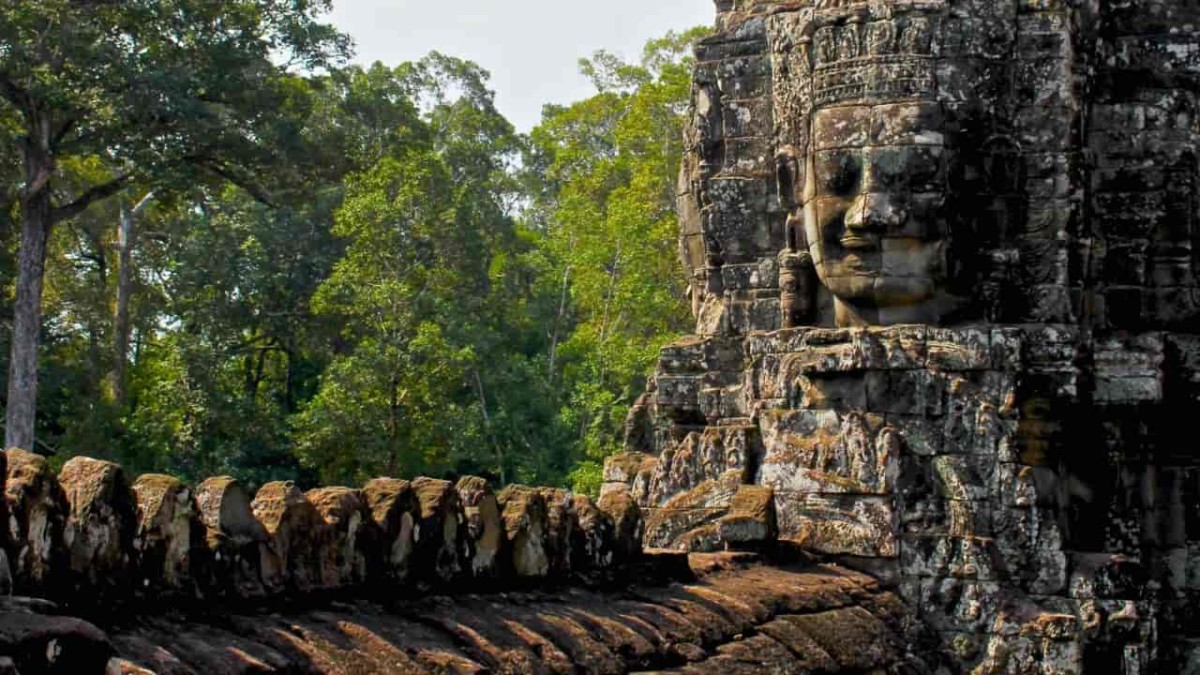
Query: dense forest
226, 251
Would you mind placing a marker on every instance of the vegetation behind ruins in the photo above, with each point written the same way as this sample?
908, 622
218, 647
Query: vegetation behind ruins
399, 283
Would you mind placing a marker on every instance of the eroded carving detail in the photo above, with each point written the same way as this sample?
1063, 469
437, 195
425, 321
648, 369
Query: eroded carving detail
949, 293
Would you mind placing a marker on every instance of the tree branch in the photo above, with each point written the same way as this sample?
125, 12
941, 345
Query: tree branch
258, 192
66, 128
12, 93
142, 204
38, 184
102, 191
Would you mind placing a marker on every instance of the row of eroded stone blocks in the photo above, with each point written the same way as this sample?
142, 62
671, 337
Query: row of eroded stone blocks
88, 535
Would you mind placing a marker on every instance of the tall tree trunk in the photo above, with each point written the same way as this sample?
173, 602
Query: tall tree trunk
613, 273
487, 423
606, 322
393, 445
558, 323
96, 362
37, 216
289, 383
126, 241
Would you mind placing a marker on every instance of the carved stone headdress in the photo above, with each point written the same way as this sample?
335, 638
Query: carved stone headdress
862, 55
838, 52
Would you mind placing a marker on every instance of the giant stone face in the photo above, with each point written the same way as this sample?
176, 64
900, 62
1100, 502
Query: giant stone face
874, 210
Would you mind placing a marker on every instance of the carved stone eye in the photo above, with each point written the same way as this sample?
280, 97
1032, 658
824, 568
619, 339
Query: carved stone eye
838, 172
907, 167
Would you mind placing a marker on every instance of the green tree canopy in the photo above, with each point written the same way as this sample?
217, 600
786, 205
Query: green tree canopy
164, 91
342, 272
607, 209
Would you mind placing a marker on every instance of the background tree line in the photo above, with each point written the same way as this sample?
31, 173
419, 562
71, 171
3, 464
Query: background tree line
227, 252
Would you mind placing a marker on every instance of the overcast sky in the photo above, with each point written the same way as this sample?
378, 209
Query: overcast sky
531, 47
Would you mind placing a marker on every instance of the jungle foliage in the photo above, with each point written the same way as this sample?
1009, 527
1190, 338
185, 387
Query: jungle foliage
284, 267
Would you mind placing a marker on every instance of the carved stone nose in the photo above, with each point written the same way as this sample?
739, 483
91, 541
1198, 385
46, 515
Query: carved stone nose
874, 212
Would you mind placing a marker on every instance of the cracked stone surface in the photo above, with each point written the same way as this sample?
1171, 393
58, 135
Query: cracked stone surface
943, 261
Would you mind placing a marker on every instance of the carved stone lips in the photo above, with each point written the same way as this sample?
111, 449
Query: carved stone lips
855, 243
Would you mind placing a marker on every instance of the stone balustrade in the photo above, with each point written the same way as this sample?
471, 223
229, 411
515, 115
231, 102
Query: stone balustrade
91, 536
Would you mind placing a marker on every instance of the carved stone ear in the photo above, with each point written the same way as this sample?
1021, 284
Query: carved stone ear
787, 173
797, 285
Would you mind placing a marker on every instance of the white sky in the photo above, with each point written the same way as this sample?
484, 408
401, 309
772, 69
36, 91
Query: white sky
531, 47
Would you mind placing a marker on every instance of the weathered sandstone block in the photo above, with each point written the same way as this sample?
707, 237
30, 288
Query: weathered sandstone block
716, 455
37, 514
352, 539
101, 524
525, 523
484, 528
751, 521
688, 520
239, 554
394, 510
169, 533
628, 525
36, 643
296, 532
441, 546
594, 538
623, 470
561, 523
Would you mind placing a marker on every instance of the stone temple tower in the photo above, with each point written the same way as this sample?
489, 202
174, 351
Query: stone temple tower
944, 260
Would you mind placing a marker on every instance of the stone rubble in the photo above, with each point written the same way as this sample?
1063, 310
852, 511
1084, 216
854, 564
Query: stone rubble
944, 262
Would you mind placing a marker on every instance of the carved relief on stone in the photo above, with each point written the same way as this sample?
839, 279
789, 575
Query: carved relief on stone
821, 451
833, 476
1070, 161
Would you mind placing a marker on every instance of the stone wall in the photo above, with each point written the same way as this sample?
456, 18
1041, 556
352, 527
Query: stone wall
726, 613
91, 537
996, 477
744, 619
944, 271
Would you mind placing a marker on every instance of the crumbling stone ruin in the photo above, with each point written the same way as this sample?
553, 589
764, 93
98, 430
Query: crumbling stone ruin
943, 261
935, 417
424, 576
